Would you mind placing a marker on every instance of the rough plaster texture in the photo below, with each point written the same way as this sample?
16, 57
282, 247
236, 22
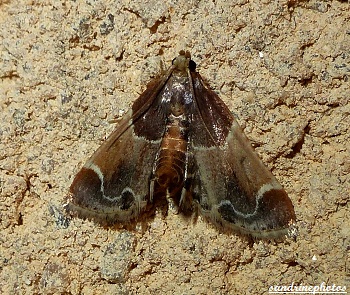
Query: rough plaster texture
67, 68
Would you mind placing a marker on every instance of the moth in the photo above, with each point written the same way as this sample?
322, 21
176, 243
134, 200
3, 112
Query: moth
180, 140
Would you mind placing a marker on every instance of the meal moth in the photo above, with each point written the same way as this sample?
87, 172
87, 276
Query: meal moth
180, 140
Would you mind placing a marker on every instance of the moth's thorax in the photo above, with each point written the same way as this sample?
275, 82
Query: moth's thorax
178, 90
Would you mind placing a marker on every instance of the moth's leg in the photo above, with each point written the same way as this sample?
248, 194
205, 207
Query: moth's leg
186, 192
153, 178
151, 188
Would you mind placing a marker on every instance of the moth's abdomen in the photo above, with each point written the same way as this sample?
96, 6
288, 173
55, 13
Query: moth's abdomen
171, 163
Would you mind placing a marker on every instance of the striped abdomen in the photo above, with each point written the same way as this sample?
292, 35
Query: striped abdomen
170, 166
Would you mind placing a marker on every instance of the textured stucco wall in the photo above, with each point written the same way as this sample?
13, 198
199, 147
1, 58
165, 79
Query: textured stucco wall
67, 68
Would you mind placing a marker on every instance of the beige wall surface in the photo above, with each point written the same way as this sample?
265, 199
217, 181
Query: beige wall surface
68, 68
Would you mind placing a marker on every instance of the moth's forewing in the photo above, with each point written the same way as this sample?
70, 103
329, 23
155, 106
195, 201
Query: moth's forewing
211, 118
113, 185
234, 188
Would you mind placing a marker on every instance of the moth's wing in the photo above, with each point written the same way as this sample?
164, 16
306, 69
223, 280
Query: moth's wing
232, 185
113, 185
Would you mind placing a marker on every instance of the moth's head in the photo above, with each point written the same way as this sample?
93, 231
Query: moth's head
184, 62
